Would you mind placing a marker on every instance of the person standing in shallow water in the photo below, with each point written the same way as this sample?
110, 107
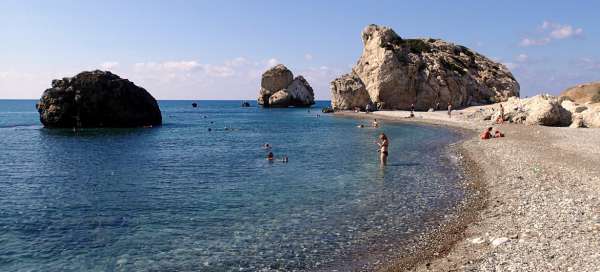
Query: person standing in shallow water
383, 143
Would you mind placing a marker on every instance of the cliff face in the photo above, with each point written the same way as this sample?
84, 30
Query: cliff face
399, 72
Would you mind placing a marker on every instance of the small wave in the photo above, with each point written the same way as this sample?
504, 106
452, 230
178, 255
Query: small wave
21, 127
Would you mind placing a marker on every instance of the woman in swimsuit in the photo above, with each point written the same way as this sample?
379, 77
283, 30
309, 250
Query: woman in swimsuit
383, 148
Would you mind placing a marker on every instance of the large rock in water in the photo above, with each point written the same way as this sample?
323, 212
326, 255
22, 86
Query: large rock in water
398, 72
97, 99
279, 88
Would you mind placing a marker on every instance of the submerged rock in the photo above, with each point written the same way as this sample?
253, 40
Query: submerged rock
97, 99
279, 88
399, 72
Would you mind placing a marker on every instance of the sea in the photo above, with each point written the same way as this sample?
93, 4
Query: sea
197, 194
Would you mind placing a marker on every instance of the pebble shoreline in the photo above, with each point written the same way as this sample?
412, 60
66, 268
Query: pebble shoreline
534, 203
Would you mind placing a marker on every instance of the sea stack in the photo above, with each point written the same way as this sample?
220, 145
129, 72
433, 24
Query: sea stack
97, 99
394, 73
279, 88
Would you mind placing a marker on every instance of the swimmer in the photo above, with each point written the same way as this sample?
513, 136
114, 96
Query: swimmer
360, 126
284, 159
209, 129
375, 123
266, 146
270, 156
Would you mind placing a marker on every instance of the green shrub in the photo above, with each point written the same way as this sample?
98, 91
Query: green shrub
416, 46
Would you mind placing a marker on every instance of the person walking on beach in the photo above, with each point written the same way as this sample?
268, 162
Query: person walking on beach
449, 110
383, 143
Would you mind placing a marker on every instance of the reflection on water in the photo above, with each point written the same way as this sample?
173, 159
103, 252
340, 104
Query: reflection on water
182, 198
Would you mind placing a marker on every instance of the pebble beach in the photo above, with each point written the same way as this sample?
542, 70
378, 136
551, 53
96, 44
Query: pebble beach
534, 202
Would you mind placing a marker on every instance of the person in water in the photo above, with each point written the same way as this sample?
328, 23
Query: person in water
266, 146
284, 159
449, 110
383, 143
375, 123
270, 156
360, 126
486, 134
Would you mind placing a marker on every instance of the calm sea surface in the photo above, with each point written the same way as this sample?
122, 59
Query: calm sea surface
182, 198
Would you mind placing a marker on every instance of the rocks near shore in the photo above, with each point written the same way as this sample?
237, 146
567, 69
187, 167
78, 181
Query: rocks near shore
394, 73
544, 110
97, 99
279, 88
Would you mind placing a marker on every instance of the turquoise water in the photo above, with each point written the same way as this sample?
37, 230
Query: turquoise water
182, 198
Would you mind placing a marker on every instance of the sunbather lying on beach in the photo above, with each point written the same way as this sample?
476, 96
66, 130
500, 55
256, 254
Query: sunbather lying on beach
498, 134
486, 134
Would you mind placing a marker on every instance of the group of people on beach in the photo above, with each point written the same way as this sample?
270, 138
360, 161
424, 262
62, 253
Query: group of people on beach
487, 134
271, 156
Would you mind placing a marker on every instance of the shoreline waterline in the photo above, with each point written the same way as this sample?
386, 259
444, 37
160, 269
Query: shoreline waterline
138, 199
540, 211
438, 241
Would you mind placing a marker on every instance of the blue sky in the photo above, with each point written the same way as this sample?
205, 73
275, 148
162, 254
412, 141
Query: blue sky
218, 49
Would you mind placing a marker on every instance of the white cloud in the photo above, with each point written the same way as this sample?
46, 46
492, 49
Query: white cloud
531, 42
522, 58
550, 31
272, 62
511, 65
588, 64
237, 78
109, 65
167, 66
558, 31
308, 56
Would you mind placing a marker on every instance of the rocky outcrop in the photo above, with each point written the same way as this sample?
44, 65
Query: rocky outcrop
97, 99
348, 92
583, 93
279, 88
543, 110
399, 72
